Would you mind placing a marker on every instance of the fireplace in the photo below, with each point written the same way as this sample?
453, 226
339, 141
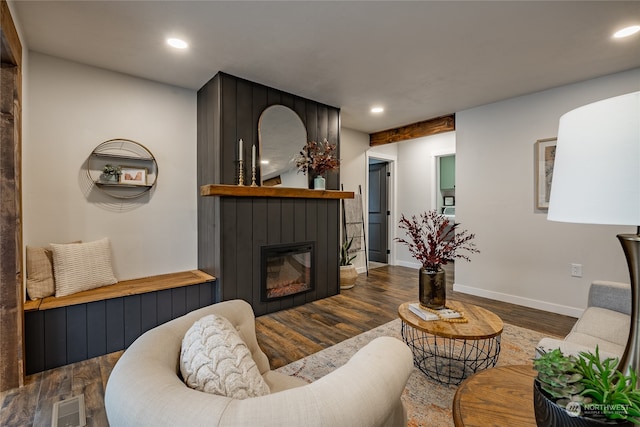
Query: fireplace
286, 270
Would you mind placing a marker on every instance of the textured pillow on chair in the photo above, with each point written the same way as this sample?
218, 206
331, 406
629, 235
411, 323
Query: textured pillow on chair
82, 266
214, 359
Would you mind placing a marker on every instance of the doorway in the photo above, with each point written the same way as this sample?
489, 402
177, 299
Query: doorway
379, 212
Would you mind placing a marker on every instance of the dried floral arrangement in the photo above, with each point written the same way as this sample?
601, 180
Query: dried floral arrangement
317, 158
434, 241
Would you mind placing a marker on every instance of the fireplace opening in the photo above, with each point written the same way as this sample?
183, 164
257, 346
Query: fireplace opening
287, 270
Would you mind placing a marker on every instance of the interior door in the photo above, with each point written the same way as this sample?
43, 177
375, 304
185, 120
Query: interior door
378, 212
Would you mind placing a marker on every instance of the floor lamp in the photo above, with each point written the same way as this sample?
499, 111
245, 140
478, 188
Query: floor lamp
596, 180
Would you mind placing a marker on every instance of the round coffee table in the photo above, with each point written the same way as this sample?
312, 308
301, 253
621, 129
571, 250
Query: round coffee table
449, 352
498, 396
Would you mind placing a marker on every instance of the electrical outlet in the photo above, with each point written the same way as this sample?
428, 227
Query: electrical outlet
576, 270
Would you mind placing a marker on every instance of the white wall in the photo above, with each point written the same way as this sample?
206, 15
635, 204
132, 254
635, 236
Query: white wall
524, 258
416, 181
353, 172
412, 182
70, 109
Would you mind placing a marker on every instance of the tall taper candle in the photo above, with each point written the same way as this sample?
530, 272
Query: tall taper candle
253, 156
240, 150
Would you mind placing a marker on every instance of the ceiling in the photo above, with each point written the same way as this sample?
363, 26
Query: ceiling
417, 59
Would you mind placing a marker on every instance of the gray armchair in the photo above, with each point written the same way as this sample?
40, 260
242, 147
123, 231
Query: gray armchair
605, 323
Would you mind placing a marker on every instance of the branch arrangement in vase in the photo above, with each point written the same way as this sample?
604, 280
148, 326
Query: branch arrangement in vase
317, 158
434, 241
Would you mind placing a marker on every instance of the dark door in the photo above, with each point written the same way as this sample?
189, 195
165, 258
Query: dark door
378, 212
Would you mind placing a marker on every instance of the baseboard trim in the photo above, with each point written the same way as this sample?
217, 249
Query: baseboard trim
514, 299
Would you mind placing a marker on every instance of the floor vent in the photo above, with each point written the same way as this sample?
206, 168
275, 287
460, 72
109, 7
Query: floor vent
69, 412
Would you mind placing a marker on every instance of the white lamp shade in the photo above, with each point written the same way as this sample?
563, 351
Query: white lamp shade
596, 173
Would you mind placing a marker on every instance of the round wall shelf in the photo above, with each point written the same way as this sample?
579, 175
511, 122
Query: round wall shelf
139, 169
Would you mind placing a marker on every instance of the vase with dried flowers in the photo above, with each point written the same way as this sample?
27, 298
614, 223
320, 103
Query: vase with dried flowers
317, 158
435, 241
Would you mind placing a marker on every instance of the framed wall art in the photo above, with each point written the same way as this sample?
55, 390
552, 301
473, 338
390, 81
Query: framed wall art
545, 153
133, 176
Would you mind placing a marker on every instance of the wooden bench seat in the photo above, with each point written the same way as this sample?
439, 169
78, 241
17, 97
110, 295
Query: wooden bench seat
123, 288
76, 327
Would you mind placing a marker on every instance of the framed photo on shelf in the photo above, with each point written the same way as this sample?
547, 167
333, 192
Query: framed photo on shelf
133, 176
545, 154
449, 201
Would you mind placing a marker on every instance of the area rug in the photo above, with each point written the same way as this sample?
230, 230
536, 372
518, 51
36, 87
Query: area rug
428, 403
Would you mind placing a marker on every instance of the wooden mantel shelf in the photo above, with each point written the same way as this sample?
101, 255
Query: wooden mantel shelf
247, 191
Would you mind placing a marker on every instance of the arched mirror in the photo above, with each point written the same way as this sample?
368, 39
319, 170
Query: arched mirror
282, 135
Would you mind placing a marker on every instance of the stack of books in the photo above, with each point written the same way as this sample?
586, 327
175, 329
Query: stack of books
444, 313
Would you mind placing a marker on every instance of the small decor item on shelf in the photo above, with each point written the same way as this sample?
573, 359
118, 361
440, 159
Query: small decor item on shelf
348, 272
111, 173
583, 391
240, 163
434, 241
316, 159
133, 176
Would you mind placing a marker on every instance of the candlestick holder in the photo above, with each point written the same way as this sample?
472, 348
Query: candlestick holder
253, 177
241, 172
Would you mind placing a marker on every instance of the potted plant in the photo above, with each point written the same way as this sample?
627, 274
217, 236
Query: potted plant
111, 173
317, 158
348, 273
435, 241
582, 391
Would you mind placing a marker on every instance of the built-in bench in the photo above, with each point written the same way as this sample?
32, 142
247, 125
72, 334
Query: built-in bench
76, 327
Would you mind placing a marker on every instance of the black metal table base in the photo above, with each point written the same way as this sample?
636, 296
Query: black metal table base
450, 360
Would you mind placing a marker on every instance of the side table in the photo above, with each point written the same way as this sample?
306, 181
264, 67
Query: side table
498, 396
449, 352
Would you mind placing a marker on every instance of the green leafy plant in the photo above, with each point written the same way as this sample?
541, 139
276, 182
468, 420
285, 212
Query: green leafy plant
114, 170
345, 258
610, 388
601, 390
558, 375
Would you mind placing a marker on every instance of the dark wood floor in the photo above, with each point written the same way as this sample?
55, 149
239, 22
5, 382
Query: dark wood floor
289, 335
285, 336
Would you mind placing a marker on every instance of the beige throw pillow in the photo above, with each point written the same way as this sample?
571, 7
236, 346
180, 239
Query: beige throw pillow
40, 282
82, 266
214, 359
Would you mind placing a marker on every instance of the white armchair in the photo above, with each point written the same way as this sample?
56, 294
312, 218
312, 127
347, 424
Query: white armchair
144, 388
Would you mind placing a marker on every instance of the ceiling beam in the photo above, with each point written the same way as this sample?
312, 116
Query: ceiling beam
414, 130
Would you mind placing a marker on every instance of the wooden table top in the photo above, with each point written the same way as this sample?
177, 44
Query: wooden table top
482, 323
501, 396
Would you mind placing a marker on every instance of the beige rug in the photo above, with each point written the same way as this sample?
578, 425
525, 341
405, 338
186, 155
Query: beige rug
428, 403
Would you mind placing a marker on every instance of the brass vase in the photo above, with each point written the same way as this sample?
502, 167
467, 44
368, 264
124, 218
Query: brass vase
433, 290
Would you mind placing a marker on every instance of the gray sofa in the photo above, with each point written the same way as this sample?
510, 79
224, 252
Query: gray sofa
605, 323
144, 388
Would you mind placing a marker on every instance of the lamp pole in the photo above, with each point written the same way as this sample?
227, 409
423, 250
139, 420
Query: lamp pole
631, 356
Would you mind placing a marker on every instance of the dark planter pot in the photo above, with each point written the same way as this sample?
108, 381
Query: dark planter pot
432, 288
548, 414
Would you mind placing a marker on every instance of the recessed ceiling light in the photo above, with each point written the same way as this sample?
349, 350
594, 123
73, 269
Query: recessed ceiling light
264, 162
377, 110
177, 43
626, 32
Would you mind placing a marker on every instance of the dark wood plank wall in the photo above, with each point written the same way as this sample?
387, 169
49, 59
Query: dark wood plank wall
64, 335
231, 230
